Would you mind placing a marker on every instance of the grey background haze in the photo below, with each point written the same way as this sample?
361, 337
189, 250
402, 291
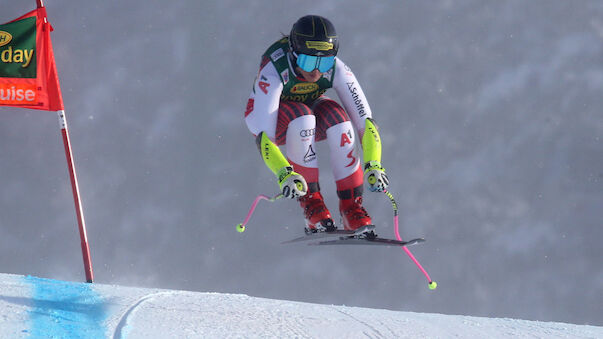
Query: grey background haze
491, 113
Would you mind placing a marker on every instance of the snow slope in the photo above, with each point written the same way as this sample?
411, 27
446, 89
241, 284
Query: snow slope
39, 308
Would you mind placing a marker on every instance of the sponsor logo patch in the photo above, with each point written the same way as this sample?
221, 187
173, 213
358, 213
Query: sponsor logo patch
285, 76
279, 53
5, 38
307, 133
310, 155
303, 88
263, 85
319, 45
356, 97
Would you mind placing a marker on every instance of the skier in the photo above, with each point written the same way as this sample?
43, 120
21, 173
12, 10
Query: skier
288, 107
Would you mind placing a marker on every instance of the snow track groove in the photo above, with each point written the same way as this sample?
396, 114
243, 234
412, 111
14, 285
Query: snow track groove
123, 322
373, 329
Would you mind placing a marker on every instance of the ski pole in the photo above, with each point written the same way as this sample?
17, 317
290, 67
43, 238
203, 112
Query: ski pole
432, 284
241, 226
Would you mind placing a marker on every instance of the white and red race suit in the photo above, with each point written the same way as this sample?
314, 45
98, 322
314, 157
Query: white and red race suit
296, 113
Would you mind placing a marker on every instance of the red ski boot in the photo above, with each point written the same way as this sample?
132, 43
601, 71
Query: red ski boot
318, 217
353, 214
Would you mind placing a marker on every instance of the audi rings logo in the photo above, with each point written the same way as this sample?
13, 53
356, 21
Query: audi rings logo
307, 133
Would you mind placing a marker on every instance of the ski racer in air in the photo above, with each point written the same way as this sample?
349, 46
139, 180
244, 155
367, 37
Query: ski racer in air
288, 106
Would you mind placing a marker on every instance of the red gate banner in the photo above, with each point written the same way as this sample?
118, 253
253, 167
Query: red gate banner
28, 79
28, 75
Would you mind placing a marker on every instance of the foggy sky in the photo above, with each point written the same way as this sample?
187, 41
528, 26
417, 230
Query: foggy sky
491, 115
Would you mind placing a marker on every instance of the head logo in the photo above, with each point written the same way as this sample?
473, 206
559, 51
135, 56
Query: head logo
5, 38
303, 88
319, 45
310, 155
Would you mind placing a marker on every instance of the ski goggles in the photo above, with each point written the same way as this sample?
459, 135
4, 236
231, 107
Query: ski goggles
310, 62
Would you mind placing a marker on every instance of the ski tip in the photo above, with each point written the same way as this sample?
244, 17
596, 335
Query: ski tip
415, 241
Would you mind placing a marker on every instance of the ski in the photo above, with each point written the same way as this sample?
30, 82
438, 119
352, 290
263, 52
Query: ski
336, 233
369, 241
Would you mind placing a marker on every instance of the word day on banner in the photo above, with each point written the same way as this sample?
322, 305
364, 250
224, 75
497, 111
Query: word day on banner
28, 76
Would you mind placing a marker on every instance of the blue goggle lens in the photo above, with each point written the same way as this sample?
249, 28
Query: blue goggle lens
310, 62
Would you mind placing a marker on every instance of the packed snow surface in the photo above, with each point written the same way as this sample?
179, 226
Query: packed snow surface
45, 308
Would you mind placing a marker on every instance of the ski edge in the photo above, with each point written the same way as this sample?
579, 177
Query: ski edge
337, 233
364, 241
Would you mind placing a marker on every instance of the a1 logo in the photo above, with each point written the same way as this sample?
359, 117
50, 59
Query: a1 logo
346, 138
